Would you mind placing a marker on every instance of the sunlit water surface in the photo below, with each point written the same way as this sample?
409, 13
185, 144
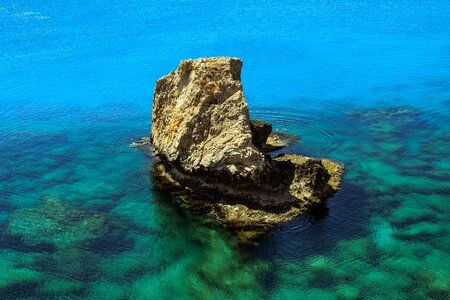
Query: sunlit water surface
364, 83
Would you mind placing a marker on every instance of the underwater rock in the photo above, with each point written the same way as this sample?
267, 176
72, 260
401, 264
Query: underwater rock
313, 178
421, 230
260, 132
295, 185
267, 140
394, 114
216, 159
56, 223
383, 234
144, 144
16, 272
388, 123
107, 290
279, 140
346, 291
13, 278
141, 142
60, 286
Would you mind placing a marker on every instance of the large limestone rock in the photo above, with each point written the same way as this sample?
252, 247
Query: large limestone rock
215, 158
200, 119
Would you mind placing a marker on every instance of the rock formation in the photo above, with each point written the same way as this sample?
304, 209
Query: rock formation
200, 119
208, 148
267, 140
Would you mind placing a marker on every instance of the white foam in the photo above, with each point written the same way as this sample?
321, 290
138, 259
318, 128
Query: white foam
31, 15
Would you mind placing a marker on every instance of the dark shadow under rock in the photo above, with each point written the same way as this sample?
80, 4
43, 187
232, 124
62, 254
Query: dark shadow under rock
249, 208
267, 140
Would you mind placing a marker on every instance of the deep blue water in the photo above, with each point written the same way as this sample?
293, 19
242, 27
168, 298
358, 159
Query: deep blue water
363, 82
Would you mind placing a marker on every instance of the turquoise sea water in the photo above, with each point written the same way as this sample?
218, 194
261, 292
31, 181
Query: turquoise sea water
363, 82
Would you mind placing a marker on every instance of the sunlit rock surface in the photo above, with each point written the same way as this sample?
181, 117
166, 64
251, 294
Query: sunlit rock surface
209, 149
200, 119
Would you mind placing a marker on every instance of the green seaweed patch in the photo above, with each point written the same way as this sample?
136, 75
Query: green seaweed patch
381, 284
107, 290
58, 286
347, 292
403, 265
73, 264
394, 114
409, 212
11, 277
323, 271
15, 271
383, 233
421, 230
311, 293
57, 223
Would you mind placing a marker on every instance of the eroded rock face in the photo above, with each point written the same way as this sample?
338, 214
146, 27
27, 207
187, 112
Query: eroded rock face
200, 119
296, 183
209, 151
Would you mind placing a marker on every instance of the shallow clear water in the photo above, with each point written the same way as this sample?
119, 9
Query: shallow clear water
364, 83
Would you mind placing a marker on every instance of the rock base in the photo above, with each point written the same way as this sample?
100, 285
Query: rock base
250, 208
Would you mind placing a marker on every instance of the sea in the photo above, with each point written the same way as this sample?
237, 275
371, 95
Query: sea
364, 82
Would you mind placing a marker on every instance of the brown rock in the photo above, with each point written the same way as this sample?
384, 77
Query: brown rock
200, 119
260, 132
267, 140
215, 158
279, 140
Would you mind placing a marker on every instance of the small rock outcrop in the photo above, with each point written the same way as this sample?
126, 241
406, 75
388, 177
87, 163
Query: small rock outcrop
208, 149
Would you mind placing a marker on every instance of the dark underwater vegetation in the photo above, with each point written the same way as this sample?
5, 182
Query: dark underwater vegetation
365, 83
88, 231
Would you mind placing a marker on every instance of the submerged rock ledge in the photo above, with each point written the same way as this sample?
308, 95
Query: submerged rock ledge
208, 149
